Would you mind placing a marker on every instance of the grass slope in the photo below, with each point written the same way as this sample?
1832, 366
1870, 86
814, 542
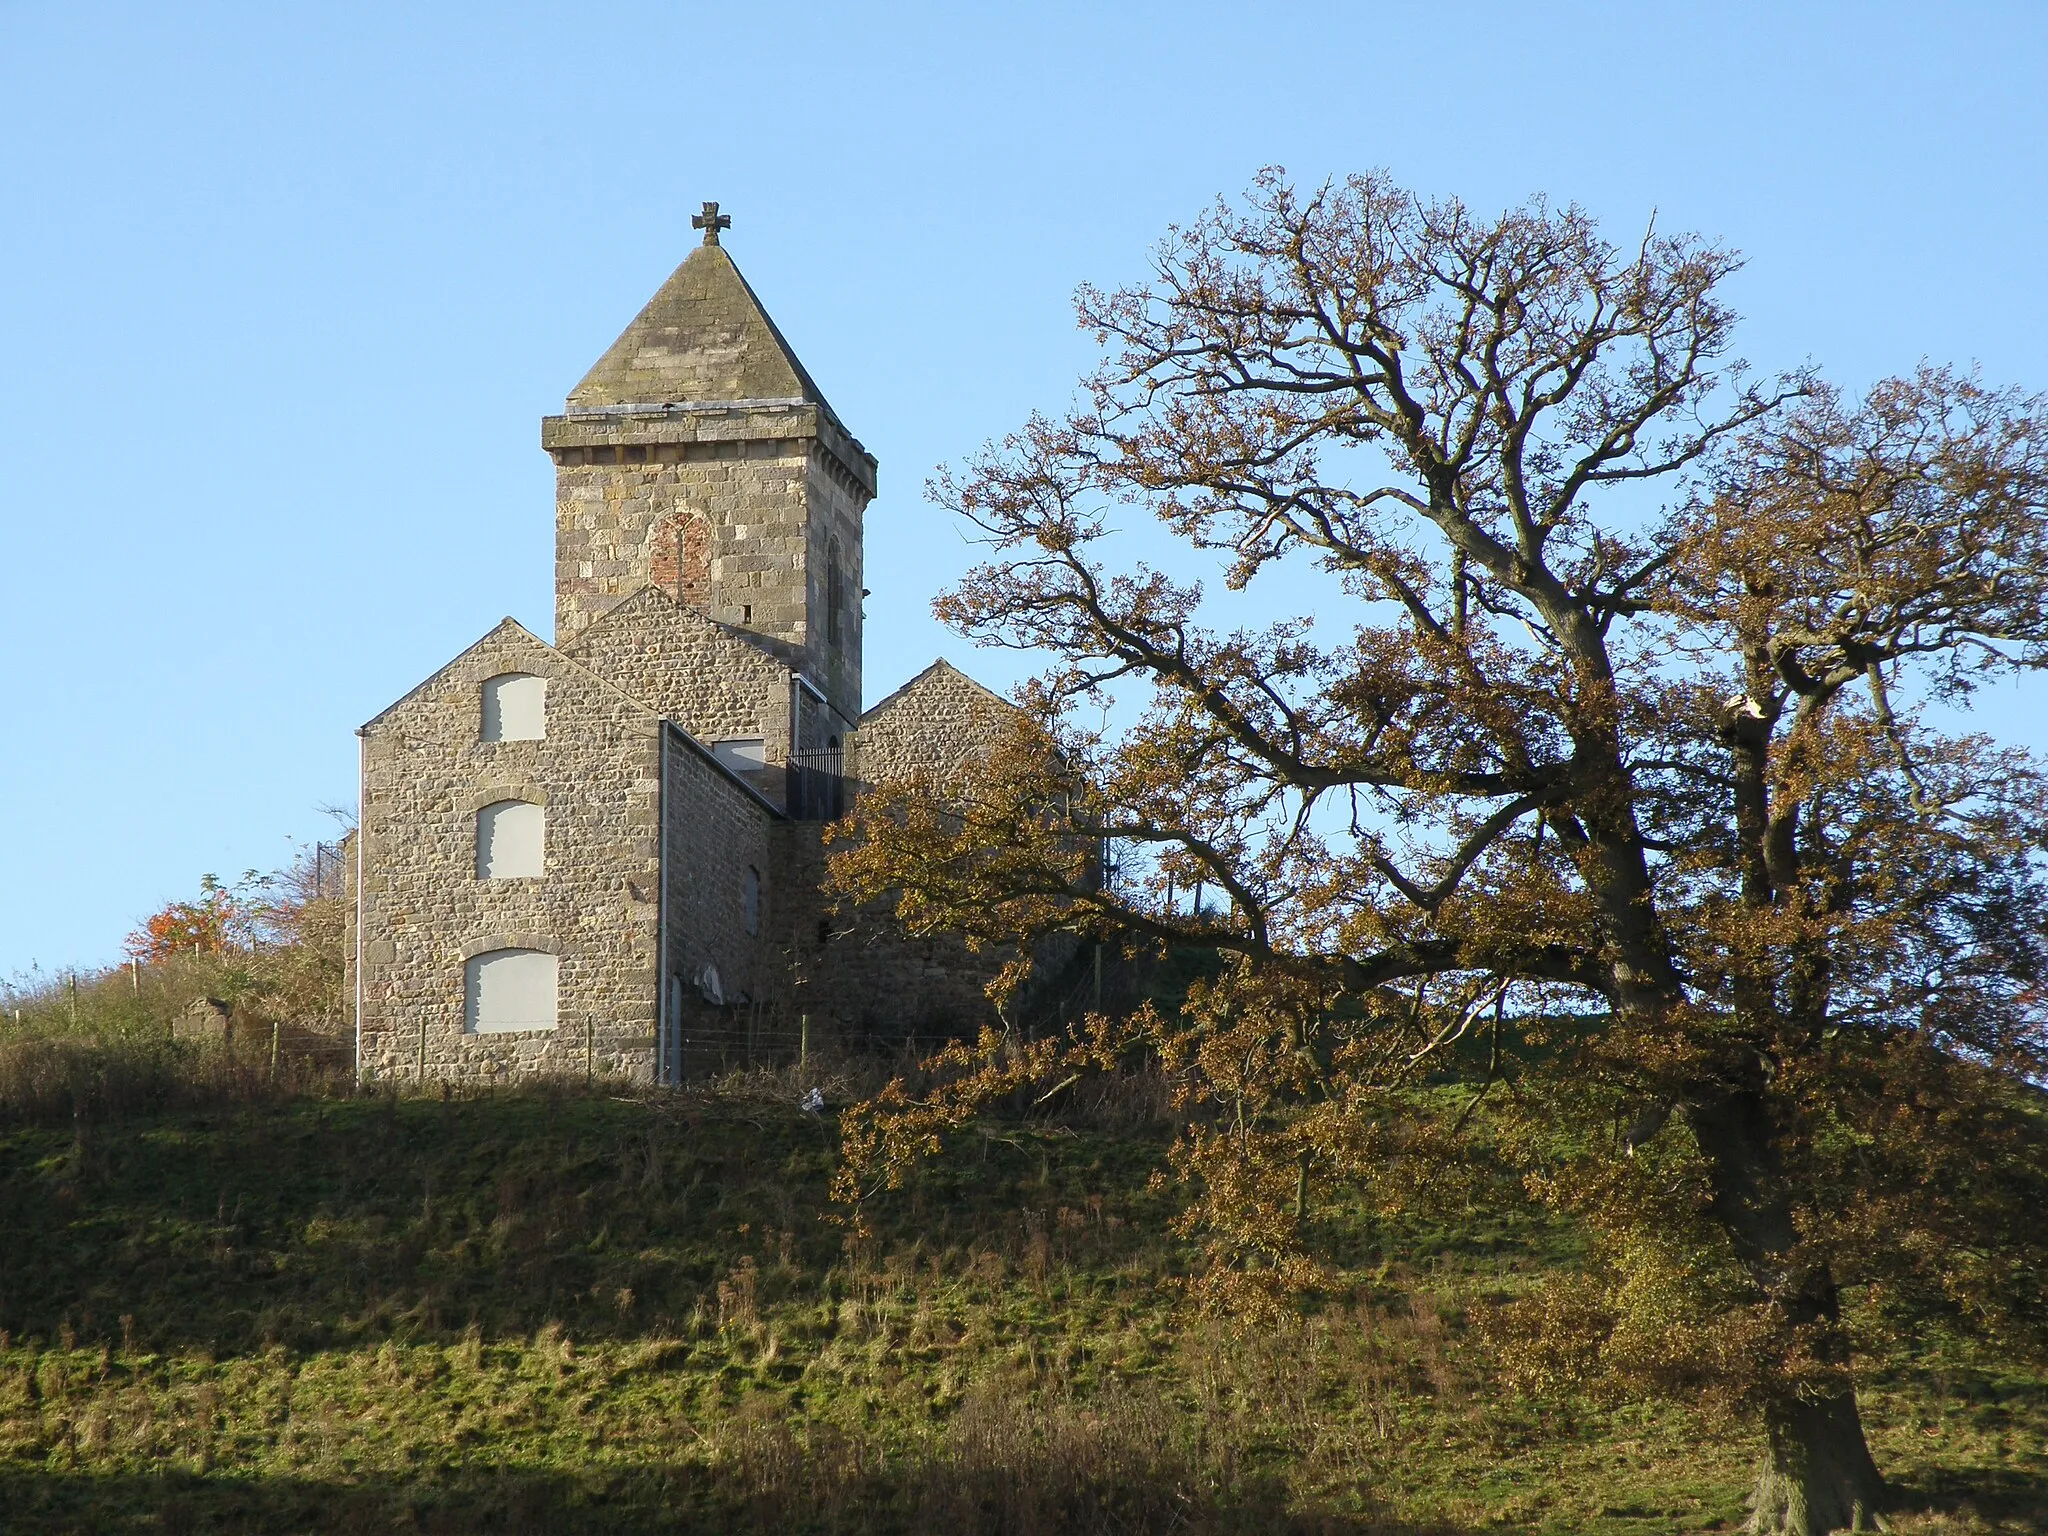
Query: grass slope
571, 1311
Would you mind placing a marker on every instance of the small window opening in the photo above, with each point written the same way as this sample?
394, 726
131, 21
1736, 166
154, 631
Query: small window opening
750, 899
515, 707
741, 754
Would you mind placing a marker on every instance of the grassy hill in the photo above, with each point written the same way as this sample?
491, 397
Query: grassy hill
574, 1309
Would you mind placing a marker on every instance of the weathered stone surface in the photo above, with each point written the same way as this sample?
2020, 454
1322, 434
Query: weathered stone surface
209, 1018
865, 973
715, 684
857, 972
744, 531
703, 336
714, 830
934, 727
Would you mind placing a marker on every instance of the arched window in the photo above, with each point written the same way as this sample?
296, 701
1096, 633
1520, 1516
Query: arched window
515, 707
508, 989
511, 841
750, 899
835, 598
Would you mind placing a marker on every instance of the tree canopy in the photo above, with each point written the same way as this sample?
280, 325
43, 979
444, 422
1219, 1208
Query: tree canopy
1604, 813
1610, 795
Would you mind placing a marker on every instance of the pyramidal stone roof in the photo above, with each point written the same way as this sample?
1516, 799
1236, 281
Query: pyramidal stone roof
703, 337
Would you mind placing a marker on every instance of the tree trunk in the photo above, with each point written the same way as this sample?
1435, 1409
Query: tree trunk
1818, 1476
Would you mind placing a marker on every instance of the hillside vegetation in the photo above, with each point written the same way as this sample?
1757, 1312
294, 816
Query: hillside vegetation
236, 1303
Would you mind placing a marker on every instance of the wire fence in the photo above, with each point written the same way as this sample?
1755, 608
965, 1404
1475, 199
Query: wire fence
713, 1044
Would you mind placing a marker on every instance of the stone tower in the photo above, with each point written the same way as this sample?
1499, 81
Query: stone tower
606, 854
698, 456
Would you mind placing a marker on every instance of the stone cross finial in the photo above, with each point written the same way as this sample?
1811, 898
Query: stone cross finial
711, 221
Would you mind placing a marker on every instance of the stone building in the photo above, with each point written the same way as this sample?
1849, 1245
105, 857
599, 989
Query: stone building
580, 855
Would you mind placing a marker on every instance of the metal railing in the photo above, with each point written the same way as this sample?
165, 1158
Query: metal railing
817, 784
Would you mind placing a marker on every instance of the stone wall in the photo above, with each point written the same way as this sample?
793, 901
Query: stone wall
857, 968
713, 682
837, 502
714, 830
424, 911
858, 973
771, 485
619, 505
350, 934
935, 726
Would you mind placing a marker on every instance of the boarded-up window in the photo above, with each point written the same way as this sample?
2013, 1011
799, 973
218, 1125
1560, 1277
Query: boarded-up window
509, 989
515, 707
742, 754
750, 899
511, 841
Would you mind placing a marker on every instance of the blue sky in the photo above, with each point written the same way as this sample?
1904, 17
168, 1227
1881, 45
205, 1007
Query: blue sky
286, 289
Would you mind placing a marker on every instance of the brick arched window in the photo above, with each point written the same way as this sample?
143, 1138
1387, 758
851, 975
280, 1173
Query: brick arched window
681, 564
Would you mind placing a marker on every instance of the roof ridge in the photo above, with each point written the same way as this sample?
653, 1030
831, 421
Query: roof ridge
810, 389
508, 622
890, 698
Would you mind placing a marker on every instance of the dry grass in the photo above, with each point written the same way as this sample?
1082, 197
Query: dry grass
587, 1310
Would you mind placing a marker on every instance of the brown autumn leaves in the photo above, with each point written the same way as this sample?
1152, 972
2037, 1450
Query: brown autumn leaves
1597, 833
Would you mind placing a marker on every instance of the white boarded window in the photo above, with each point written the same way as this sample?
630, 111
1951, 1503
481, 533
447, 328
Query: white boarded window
750, 899
515, 707
742, 754
508, 989
511, 841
